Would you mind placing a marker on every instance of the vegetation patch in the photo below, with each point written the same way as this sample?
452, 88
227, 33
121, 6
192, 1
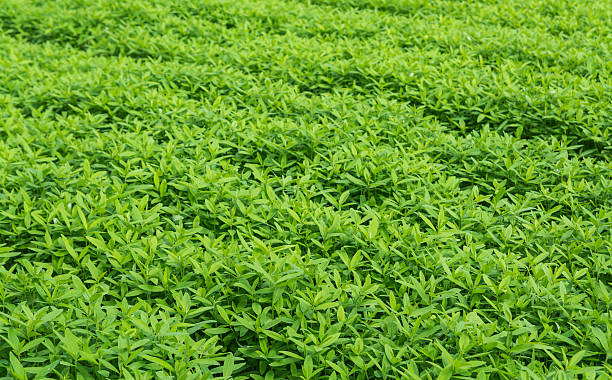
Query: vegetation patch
361, 189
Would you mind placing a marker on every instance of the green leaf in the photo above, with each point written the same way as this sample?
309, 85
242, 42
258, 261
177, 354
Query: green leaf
228, 366
164, 364
373, 228
71, 344
573, 362
16, 368
307, 368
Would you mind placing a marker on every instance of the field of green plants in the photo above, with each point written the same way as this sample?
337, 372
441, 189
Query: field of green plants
313, 189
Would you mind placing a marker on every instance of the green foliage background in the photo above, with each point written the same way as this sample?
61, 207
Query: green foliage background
272, 189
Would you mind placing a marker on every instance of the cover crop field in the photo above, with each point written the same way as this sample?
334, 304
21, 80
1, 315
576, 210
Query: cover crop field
361, 189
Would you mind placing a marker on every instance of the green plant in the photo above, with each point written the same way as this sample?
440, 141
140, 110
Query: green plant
307, 190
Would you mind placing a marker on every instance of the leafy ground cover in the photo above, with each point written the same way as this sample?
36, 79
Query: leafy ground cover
322, 189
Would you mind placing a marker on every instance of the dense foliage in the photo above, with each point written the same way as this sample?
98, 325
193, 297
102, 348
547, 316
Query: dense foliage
360, 189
